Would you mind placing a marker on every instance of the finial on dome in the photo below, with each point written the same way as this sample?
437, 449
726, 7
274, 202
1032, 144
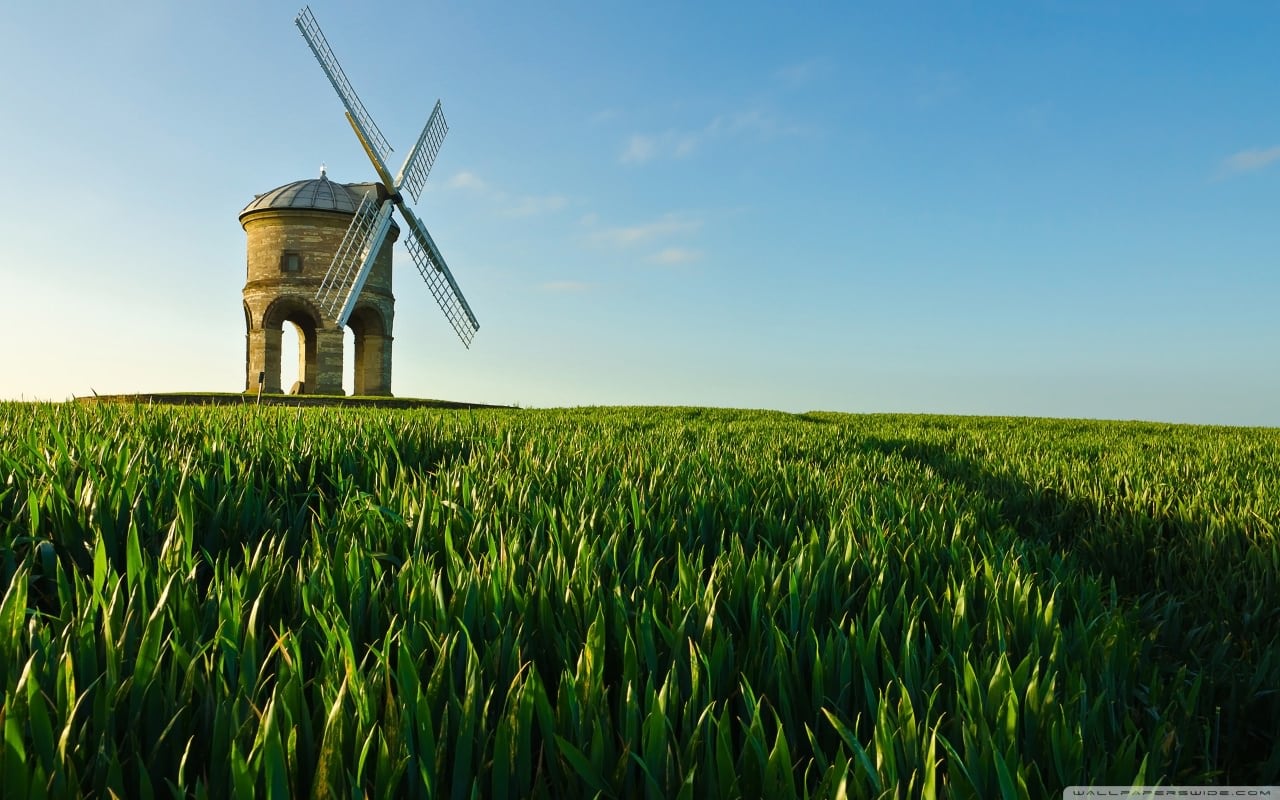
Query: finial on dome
322, 171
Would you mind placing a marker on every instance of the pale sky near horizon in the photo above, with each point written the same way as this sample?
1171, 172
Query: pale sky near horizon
1042, 208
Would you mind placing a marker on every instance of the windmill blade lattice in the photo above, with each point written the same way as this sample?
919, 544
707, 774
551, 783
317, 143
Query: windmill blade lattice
306, 23
353, 259
417, 165
431, 266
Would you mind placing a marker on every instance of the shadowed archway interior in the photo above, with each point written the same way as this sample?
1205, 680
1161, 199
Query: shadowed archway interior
371, 368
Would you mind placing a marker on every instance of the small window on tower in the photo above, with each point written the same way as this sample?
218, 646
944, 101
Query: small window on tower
291, 262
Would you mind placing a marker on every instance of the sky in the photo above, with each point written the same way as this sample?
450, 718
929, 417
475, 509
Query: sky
1032, 208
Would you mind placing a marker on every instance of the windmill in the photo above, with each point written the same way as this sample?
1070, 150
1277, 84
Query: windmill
354, 258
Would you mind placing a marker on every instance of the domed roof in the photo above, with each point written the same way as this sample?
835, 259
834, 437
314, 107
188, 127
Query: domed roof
315, 193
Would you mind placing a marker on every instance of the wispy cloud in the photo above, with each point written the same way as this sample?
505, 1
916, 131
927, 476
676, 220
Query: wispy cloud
468, 180
514, 205
754, 121
1250, 160
660, 241
801, 73
675, 255
640, 148
644, 233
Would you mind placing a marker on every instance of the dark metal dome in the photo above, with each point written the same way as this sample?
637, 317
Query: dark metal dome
314, 193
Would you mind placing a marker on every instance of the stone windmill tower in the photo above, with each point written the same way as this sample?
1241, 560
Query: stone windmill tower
293, 232
320, 256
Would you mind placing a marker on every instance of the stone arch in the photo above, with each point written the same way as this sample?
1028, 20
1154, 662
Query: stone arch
286, 306
250, 381
303, 314
372, 355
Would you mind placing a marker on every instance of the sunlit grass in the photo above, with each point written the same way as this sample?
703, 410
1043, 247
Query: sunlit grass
630, 602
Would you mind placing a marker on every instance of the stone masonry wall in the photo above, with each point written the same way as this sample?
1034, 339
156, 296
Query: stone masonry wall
273, 296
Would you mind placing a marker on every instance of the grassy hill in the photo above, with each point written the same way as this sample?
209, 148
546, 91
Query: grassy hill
625, 602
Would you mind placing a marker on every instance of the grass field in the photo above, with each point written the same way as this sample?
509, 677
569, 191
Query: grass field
631, 602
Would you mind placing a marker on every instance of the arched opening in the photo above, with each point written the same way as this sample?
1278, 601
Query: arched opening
250, 380
349, 361
291, 347
369, 349
293, 351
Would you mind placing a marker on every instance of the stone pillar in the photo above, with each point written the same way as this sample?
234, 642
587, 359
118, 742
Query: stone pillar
264, 356
373, 365
384, 365
306, 356
254, 353
361, 384
327, 361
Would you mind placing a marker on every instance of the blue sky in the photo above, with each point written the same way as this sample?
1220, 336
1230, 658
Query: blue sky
1031, 208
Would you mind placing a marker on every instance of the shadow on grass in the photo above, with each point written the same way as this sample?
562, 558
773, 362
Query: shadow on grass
1206, 601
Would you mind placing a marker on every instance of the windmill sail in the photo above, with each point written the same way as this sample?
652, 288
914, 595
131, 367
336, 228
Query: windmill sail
354, 259
431, 266
360, 118
417, 165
